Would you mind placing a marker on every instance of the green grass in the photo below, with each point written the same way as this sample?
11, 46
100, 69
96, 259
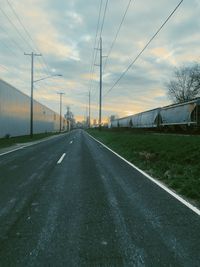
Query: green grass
173, 159
6, 142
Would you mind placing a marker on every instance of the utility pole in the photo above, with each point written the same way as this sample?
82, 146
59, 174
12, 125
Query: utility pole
89, 112
86, 116
61, 94
100, 85
100, 81
32, 81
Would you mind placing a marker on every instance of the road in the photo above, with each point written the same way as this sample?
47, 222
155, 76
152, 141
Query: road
71, 202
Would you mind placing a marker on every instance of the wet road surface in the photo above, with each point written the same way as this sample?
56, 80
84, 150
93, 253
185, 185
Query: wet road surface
69, 201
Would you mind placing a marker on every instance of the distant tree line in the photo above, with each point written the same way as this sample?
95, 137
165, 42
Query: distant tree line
185, 84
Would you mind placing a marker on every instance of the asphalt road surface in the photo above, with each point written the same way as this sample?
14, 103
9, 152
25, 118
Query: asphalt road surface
71, 202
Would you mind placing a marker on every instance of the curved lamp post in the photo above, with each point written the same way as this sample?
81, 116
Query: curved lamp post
31, 113
54, 75
32, 82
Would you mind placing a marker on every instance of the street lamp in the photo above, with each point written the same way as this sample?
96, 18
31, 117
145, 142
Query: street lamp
54, 75
32, 82
31, 115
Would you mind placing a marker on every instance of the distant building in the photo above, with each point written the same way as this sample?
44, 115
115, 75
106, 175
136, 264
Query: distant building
69, 116
95, 124
87, 121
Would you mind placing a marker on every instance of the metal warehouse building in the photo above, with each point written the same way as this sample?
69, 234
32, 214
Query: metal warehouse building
15, 114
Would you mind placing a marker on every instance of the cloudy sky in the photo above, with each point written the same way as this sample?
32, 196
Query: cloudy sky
64, 33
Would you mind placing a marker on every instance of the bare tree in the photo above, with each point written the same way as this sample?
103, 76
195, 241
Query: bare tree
185, 85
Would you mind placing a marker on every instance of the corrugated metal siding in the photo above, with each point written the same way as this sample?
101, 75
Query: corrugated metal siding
15, 114
180, 114
114, 123
124, 122
176, 114
145, 119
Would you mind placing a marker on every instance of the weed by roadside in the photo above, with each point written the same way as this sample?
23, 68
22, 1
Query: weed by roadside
173, 159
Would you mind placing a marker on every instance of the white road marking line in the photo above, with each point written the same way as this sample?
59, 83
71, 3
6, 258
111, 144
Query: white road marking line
183, 201
61, 159
33, 143
11, 151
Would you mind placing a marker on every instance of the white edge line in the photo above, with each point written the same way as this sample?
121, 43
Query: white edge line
12, 150
61, 159
27, 145
187, 204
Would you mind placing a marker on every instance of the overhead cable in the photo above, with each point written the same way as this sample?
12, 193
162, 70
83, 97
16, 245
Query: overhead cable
135, 59
101, 30
117, 33
28, 34
93, 51
104, 15
7, 47
13, 41
102, 25
18, 32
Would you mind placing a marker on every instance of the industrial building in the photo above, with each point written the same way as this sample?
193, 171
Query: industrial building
15, 114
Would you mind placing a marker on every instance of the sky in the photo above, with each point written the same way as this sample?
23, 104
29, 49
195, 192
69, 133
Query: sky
66, 33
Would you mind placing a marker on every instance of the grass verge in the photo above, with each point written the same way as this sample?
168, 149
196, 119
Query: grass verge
173, 159
6, 142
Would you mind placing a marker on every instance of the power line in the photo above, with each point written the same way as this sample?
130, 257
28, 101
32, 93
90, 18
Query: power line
14, 42
28, 34
124, 72
7, 47
93, 51
97, 29
10, 47
19, 20
32, 82
102, 25
18, 32
104, 15
117, 33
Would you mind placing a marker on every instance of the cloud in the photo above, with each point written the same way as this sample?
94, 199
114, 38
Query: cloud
89, 76
65, 31
51, 45
74, 18
162, 53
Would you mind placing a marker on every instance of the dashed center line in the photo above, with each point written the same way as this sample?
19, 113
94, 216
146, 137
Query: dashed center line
61, 159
